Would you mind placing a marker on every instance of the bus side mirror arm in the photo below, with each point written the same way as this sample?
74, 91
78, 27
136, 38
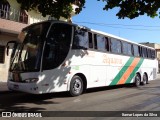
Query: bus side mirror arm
7, 46
7, 50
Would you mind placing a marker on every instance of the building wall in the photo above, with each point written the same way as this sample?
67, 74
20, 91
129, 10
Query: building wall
4, 38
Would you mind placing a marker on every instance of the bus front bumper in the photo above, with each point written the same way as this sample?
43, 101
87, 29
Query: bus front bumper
23, 87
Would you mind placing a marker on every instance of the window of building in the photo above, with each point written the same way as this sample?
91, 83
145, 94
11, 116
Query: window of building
115, 46
2, 54
23, 17
4, 9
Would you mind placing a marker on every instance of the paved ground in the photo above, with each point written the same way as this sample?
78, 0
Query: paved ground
145, 98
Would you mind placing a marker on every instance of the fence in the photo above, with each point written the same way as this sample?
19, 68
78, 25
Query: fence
9, 13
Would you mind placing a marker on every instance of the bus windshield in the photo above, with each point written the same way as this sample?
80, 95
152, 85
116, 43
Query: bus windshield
50, 41
28, 55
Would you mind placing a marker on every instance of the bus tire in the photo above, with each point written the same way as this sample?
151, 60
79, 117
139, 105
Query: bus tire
145, 79
76, 86
137, 80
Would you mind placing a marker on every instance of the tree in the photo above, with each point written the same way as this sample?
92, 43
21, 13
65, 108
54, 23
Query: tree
58, 8
133, 8
55, 8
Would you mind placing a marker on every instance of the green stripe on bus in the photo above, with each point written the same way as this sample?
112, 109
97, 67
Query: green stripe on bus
134, 71
119, 75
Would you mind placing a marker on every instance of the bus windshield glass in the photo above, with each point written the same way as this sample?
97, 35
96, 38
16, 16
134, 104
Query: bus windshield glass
29, 52
57, 45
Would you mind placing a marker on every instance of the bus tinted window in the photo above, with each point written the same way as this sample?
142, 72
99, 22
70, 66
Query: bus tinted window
102, 42
136, 51
80, 39
127, 48
57, 45
153, 54
144, 52
115, 46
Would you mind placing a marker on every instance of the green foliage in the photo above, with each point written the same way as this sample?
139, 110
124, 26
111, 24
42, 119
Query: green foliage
133, 8
55, 8
127, 8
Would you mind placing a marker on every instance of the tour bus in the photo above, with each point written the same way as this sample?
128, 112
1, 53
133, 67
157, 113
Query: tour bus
55, 56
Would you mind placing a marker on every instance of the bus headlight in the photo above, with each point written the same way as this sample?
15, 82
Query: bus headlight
31, 80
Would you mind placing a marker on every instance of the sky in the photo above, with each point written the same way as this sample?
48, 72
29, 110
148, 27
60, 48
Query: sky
141, 29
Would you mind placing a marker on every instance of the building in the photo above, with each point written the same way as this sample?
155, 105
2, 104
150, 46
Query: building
12, 20
157, 47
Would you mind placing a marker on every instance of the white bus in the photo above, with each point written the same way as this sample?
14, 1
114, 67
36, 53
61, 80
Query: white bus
56, 56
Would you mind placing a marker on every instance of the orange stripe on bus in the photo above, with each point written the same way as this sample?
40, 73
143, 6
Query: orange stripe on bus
128, 71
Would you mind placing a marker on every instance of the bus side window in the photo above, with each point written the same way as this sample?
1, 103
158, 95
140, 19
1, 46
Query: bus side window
136, 51
126, 48
101, 42
144, 52
153, 54
116, 46
81, 39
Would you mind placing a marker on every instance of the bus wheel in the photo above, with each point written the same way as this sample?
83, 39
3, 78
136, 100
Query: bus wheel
145, 79
76, 86
137, 80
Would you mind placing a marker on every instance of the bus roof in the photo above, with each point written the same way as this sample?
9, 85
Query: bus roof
95, 31
119, 38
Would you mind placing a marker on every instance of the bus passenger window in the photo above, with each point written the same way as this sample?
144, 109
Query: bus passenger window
153, 54
136, 51
101, 42
127, 48
81, 39
115, 46
144, 52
